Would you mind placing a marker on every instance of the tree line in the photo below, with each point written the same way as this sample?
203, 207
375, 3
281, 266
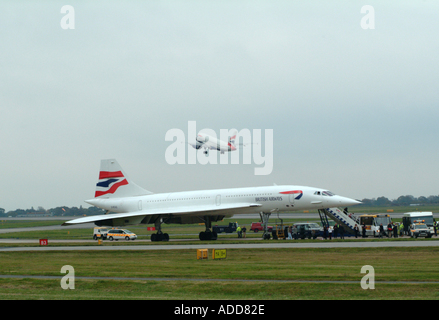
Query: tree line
401, 201
57, 212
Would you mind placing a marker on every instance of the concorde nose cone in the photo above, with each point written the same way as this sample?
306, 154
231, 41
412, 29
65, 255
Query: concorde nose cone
346, 202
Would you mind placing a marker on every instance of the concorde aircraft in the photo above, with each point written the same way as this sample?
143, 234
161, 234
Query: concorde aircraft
131, 204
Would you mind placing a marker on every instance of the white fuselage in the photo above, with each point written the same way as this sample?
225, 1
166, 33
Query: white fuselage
212, 143
265, 199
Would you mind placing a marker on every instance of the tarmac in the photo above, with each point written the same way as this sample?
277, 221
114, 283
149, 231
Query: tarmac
265, 244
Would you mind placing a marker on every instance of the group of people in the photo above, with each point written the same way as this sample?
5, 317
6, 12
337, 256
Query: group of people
337, 230
241, 231
391, 229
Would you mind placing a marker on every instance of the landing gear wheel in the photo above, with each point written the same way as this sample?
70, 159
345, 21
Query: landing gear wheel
208, 235
159, 237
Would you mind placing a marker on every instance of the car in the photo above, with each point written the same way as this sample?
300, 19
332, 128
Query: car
120, 234
308, 230
257, 226
419, 230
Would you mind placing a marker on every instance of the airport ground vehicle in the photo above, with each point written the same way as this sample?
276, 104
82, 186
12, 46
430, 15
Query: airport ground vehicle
308, 230
100, 233
227, 229
419, 230
410, 218
257, 226
121, 234
373, 222
280, 231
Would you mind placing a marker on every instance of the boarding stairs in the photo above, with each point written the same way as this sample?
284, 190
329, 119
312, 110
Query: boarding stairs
346, 219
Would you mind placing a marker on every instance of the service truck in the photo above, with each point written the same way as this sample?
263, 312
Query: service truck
419, 230
373, 222
410, 218
100, 233
257, 226
231, 227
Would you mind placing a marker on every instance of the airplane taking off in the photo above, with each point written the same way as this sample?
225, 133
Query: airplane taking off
131, 204
212, 143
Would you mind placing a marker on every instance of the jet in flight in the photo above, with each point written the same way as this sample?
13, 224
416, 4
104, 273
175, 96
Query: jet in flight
129, 204
208, 142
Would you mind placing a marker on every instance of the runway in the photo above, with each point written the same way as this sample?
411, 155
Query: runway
357, 243
265, 245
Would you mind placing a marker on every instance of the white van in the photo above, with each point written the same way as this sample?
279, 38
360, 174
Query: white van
121, 234
410, 218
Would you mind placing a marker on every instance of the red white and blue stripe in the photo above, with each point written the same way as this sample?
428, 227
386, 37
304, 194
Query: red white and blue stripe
109, 182
299, 193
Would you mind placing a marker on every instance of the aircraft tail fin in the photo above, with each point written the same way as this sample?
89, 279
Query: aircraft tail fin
232, 138
114, 183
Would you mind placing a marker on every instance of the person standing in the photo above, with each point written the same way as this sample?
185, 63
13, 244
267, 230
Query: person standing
389, 230
239, 231
381, 230
244, 231
395, 231
363, 229
341, 231
356, 230
435, 227
290, 233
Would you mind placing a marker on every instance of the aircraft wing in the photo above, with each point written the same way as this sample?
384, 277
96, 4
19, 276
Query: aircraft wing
138, 216
197, 145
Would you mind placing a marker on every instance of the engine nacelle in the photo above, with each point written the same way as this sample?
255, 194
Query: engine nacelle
202, 139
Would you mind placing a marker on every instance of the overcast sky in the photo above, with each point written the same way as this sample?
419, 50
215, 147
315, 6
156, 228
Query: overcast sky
352, 110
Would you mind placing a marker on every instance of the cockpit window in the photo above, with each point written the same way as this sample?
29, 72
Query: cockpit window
317, 193
328, 193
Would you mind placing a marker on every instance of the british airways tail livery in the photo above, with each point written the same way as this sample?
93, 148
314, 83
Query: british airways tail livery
131, 204
112, 178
